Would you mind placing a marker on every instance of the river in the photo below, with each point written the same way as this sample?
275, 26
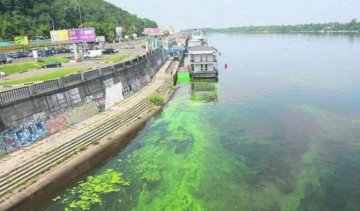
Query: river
280, 130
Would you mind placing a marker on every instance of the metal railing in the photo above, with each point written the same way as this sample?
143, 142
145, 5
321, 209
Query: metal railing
45, 86
15, 94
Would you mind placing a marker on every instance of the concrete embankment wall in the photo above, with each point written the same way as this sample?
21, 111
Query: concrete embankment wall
47, 186
31, 113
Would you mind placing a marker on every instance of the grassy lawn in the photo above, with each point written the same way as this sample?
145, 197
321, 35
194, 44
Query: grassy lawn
44, 77
25, 66
116, 58
54, 59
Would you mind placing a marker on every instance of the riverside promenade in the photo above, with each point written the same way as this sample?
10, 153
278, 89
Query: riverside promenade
42, 169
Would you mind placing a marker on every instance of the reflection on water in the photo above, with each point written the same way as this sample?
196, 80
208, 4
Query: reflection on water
281, 133
204, 91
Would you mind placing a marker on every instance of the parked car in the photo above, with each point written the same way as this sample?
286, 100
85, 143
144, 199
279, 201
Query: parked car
93, 54
51, 64
29, 54
62, 50
132, 47
45, 53
109, 51
18, 55
52, 49
5, 59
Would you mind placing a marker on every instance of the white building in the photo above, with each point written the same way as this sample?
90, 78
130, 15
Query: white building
203, 63
194, 43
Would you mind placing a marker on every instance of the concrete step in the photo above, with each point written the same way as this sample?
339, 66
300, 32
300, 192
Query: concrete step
41, 164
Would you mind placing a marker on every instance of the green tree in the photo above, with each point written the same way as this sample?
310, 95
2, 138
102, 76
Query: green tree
32, 17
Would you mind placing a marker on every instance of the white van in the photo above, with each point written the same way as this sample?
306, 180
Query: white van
93, 54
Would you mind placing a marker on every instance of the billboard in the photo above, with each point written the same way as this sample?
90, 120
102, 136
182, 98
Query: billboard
153, 31
61, 36
21, 40
118, 31
73, 36
82, 35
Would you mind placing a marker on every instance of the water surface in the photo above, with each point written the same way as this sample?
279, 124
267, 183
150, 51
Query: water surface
280, 130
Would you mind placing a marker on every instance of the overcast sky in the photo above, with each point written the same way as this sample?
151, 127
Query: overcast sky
225, 13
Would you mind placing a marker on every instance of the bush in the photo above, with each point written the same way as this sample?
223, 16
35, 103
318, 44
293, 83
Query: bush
157, 100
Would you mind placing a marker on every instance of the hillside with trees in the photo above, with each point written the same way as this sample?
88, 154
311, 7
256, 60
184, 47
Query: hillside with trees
33, 17
353, 26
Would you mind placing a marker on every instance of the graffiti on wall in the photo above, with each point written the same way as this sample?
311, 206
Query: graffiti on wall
56, 123
62, 115
63, 119
30, 131
80, 114
99, 101
42, 125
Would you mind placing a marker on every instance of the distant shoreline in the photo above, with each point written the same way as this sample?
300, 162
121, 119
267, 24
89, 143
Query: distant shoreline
352, 27
292, 32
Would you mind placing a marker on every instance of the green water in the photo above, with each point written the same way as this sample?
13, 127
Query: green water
183, 77
280, 130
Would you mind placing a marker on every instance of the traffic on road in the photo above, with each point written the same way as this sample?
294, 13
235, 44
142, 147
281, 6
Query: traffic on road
67, 51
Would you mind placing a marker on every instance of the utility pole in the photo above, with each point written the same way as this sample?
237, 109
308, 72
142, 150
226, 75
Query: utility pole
76, 56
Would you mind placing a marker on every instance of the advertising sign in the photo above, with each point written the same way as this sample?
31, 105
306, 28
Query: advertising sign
100, 38
58, 37
118, 31
153, 31
82, 35
21, 40
73, 36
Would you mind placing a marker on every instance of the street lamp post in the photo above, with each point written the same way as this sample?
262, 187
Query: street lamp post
81, 23
52, 21
76, 56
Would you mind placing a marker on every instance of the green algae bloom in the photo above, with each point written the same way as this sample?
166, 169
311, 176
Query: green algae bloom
183, 77
88, 193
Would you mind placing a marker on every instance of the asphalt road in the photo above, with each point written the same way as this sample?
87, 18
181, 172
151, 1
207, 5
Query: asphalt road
117, 46
88, 63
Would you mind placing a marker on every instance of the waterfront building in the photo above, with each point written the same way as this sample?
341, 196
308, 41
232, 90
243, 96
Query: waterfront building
198, 38
203, 63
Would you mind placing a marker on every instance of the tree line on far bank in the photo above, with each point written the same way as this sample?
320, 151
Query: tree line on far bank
34, 18
353, 26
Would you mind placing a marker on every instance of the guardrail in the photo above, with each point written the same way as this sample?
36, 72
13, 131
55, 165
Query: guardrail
28, 91
15, 94
45, 86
